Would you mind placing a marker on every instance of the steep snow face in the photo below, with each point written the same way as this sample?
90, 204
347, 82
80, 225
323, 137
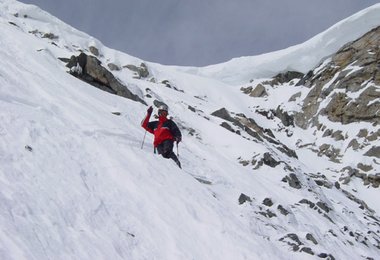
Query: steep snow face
302, 57
84, 188
77, 183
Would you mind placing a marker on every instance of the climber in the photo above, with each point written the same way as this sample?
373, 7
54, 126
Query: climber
165, 133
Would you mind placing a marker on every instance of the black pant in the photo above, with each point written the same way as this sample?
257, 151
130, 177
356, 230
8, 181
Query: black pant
166, 150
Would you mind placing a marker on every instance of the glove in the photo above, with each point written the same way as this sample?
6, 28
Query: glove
150, 110
178, 139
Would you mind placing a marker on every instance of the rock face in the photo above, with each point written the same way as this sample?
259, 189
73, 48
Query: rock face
282, 78
344, 88
338, 103
242, 125
258, 91
141, 71
90, 70
348, 81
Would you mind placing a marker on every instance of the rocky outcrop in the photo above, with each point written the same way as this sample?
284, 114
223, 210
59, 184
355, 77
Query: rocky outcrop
258, 91
293, 181
223, 113
244, 198
286, 77
89, 69
141, 71
285, 117
259, 134
373, 152
94, 50
113, 67
349, 81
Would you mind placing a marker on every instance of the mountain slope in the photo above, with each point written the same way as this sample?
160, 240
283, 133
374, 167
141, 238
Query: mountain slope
83, 191
302, 57
75, 183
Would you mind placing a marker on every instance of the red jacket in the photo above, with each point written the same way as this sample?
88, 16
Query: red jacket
163, 129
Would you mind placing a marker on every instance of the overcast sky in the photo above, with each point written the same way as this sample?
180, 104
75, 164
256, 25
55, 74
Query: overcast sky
201, 32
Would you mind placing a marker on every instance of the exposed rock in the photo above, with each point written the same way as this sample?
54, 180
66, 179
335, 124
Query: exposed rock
282, 78
28, 148
374, 179
354, 144
308, 202
50, 36
244, 198
166, 83
327, 256
350, 171
364, 167
244, 162
282, 210
268, 202
373, 136
292, 240
158, 103
285, 118
269, 160
142, 71
227, 126
203, 181
268, 214
363, 133
247, 90
323, 206
80, 60
12, 23
373, 152
345, 180
311, 238
338, 79
93, 73
306, 78
259, 91
329, 151
361, 203
268, 114
324, 183
328, 132
345, 110
113, 67
224, 114
250, 127
293, 181
295, 97
337, 135
192, 109
94, 50
307, 250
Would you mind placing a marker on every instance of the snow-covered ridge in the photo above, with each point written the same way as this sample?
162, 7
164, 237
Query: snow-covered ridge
302, 57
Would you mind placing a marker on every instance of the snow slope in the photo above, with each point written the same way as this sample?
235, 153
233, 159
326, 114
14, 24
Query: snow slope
87, 190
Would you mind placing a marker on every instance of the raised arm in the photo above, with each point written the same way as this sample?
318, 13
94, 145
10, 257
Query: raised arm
145, 122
